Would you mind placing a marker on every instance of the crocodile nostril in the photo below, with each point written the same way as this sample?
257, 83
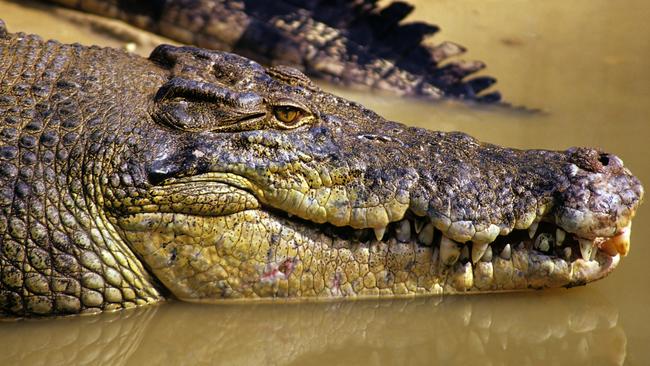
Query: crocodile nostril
604, 159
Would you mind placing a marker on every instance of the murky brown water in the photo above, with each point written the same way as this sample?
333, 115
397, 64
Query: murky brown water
585, 63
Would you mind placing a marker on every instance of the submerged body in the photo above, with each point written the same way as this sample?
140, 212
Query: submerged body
202, 175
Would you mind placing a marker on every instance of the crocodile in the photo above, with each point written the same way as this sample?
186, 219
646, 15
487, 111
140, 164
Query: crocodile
202, 175
345, 42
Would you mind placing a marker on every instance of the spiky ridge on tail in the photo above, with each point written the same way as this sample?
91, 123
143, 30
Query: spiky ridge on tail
355, 43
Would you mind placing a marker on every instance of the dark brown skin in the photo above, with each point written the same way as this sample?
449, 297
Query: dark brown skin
352, 43
202, 175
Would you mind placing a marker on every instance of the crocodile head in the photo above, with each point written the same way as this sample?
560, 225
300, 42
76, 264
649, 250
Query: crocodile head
250, 182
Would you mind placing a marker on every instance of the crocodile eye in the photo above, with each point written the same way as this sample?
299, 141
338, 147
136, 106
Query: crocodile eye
288, 116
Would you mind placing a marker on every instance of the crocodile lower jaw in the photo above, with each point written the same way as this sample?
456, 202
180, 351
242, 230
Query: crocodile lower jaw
256, 254
542, 255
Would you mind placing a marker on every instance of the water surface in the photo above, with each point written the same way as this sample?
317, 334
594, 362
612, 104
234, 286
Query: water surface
584, 63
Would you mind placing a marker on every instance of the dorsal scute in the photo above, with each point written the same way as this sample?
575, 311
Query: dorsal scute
291, 76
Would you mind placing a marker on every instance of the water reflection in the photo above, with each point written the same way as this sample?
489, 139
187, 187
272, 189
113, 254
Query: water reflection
557, 327
107, 339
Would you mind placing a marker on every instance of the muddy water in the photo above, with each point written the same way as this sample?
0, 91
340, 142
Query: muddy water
584, 64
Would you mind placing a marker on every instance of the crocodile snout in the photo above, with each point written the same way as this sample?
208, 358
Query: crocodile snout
602, 196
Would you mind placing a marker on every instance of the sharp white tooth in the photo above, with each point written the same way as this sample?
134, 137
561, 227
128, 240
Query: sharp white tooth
532, 229
379, 232
608, 247
559, 236
506, 253
477, 251
567, 253
403, 231
543, 242
586, 247
419, 224
426, 235
449, 251
619, 244
463, 279
623, 240
594, 251
464, 253
487, 257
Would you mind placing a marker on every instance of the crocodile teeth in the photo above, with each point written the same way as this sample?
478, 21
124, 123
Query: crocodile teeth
449, 251
419, 224
543, 242
622, 240
567, 253
608, 247
586, 247
487, 257
559, 236
463, 279
532, 229
477, 251
426, 235
403, 231
379, 232
618, 244
506, 253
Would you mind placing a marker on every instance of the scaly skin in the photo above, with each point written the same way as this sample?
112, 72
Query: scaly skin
204, 176
353, 43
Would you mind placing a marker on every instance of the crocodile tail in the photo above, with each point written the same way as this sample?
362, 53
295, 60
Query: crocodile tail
357, 43
382, 33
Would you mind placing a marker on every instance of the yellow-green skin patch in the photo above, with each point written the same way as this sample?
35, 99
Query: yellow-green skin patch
253, 255
256, 255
